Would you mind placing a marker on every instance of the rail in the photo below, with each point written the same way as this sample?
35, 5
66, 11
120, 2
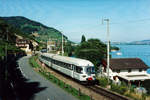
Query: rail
107, 93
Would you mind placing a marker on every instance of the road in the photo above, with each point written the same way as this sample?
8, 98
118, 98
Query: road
51, 92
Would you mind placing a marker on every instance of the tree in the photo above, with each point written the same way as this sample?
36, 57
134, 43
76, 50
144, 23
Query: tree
68, 49
93, 50
83, 39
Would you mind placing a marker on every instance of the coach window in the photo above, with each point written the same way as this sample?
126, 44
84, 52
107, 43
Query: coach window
74, 67
78, 69
61, 64
69, 66
49, 59
58, 63
53, 61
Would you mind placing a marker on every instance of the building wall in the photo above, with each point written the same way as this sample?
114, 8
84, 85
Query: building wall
122, 72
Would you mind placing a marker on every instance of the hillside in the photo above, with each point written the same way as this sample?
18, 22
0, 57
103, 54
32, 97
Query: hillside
7, 38
28, 27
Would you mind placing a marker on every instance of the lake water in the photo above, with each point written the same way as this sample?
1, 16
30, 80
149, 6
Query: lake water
132, 51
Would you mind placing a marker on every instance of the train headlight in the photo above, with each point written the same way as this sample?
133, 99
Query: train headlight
83, 75
90, 79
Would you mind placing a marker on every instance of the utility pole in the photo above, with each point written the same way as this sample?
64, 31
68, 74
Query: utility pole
62, 48
47, 43
6, 67
108, 48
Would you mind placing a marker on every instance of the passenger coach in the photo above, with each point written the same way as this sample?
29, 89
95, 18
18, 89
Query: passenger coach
79, 69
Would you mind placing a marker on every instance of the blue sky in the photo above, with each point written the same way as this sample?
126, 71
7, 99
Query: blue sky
129, 19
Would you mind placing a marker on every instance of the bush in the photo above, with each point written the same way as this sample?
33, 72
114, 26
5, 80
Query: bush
33, 62
103, 81
119, 88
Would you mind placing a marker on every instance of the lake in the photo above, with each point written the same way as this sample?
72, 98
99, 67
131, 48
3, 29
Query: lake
132, 51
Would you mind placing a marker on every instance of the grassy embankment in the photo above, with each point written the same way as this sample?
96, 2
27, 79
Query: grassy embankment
123, 89
60, 83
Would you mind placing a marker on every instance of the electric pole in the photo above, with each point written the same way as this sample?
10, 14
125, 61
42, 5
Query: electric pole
6, 67
62, 48
108, 48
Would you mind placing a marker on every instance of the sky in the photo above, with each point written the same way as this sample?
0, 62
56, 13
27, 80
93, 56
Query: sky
129, 19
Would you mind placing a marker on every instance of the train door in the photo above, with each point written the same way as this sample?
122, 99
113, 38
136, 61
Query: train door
77, 72
72, 70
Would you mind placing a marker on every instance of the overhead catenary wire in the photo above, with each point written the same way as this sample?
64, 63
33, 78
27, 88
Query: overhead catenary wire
131, 21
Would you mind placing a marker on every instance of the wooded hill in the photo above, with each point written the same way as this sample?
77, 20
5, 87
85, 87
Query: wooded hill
28, 27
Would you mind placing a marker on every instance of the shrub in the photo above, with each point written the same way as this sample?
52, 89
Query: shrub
119, 88
103, 81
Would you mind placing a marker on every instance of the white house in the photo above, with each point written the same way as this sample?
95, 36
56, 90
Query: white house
131, 70
23, 44
51, 45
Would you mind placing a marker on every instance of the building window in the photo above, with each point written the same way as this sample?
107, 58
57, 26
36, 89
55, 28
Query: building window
129, 70
118, 71
140, 70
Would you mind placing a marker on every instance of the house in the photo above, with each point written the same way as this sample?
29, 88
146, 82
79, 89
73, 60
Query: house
131, 70
51, 45
23, 44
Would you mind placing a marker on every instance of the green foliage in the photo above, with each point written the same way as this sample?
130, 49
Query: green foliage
146, 85
119, 88
7, 32
28, 26
68, 49
83, 39
33, 62
103, 81
93, 50
7, 38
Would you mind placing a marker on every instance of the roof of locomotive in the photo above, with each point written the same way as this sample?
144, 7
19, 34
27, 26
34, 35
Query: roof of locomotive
70, 60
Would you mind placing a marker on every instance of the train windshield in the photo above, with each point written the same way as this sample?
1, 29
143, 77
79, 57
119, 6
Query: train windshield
91, 70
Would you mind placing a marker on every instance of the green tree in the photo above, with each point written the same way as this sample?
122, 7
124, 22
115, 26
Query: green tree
83, 39
68, 49
93, 50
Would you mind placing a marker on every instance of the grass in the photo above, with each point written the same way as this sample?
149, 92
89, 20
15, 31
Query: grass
33, 62
123, 89
58, 82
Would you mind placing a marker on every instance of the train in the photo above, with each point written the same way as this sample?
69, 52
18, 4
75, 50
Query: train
78, 69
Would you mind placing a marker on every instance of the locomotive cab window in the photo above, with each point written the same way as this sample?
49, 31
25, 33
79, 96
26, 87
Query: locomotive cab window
78, 69
91, 70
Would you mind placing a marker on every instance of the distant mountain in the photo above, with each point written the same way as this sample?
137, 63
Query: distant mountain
29, 27
119, 43
142, 42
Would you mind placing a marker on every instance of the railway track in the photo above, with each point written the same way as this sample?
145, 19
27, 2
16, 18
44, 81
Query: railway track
109, 94
96, 89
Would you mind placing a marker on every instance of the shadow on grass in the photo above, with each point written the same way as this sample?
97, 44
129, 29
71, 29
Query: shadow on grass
16, 86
